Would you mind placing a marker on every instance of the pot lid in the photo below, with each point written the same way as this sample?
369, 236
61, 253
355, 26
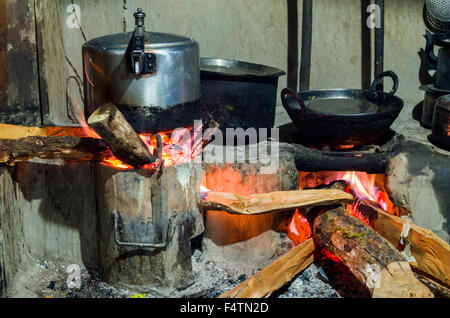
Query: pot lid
237, 68
153, 40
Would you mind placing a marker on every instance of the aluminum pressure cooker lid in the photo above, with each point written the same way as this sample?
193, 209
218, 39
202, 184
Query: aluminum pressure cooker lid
153, 40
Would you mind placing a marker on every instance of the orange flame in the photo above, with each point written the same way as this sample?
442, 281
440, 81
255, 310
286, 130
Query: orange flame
327, 255
364, 186
179, 146
299, 229
353, 209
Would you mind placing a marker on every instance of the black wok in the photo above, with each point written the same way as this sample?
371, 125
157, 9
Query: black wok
343, 117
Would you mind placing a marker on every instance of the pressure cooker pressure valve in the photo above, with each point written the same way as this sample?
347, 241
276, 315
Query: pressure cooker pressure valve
140, 18
141, 63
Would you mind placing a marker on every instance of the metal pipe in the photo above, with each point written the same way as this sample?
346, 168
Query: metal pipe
292, 70
379, 44
305, 66
366, 47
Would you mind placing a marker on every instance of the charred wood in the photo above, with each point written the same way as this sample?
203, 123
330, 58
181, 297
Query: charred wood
124, 142
371, 258
67, 148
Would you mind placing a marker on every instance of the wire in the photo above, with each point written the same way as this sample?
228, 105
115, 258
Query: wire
79, 23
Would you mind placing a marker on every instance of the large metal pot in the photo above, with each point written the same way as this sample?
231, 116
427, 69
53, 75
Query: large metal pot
441, 123
153, 78
239, 94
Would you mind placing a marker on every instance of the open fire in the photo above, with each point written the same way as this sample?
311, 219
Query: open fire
365, 187
179, 146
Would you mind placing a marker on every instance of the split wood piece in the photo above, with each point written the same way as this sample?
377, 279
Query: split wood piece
67, 148
431, 253
8, 131
122, 139
273, 202
438, 290
374, 261
276, 275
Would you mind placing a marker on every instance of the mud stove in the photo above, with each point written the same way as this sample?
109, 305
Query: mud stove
126, 204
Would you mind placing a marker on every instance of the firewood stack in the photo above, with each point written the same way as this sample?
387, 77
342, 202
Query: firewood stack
117, 135
374, 260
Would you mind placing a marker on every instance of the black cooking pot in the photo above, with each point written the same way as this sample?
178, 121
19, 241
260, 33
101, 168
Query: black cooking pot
239, 94
441, 123
343, 117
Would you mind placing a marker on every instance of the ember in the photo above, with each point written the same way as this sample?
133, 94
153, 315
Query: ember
299, 229
179, 147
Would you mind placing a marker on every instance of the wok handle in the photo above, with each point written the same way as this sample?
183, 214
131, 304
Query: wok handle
390, 74
287, 91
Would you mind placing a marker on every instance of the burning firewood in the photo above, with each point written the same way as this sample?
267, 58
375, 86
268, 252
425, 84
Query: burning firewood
273, 202
373, 260
276, 275
431, 254
67, 148
124, 142
8, 131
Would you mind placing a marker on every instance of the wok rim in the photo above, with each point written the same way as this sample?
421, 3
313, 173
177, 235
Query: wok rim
398, 105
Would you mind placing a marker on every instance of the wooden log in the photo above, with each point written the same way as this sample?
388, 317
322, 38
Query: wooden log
67, 148
371, 258
273, 202
122, 139
438, 290
276, 275
431, 253
19, 132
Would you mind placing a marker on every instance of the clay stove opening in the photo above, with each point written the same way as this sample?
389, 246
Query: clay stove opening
255, 239
369, 190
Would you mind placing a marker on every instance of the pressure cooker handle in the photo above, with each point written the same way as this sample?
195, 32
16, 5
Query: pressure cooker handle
287, 91
390, 74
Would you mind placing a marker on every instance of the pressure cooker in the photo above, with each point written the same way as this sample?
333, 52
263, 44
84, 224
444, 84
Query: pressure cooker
153, 78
